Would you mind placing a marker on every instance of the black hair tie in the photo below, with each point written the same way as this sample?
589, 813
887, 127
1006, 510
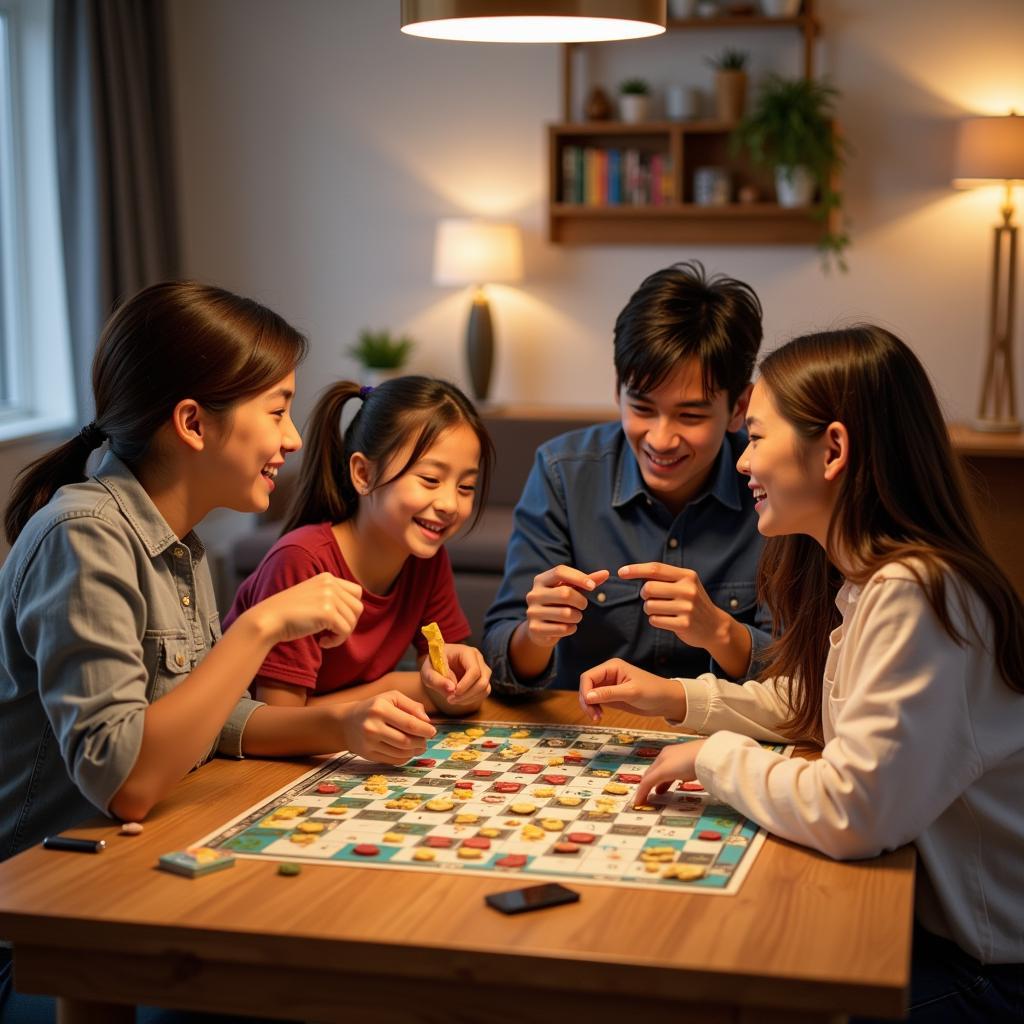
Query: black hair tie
91, 435
365, 391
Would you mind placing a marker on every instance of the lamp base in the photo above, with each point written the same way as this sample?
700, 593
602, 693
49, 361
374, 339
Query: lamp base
1005, 426
480, 347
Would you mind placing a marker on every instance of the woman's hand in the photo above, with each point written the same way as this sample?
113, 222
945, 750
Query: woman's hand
323, 604
389, 728
628, 688
677, 761
468, 683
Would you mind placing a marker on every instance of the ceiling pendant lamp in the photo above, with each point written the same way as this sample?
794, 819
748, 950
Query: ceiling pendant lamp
533, 21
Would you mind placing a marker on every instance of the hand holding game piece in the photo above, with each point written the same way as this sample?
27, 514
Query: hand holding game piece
468, 681
557, 601
390, 727
323, 604
628, 688
676, 761
675, 600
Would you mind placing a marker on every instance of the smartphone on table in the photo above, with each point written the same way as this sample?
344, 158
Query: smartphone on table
534, 897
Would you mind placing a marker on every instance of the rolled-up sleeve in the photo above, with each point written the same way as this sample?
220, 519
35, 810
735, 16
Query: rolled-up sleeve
80, 616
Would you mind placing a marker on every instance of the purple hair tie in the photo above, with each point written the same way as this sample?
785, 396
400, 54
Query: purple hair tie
364, 391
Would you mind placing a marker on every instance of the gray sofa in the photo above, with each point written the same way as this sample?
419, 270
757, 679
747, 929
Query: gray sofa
478, 557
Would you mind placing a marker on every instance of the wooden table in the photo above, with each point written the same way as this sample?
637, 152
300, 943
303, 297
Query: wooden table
806, 939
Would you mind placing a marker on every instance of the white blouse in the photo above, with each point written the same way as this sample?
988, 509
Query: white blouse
923, 743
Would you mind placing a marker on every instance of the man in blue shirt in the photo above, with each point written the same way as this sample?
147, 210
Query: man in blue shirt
638, 539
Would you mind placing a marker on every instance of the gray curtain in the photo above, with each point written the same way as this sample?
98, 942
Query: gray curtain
114, 160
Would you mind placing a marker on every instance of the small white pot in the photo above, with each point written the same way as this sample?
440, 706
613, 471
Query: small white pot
633, 108
780, 8
794, 186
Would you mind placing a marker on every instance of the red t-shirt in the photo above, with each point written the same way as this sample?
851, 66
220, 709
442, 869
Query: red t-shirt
423, 592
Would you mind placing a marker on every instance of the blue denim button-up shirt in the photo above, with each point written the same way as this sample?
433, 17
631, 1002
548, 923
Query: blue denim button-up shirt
585, 504
102, 611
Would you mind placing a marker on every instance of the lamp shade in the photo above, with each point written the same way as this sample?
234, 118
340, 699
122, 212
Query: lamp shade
533, 21
477, 252
989, 149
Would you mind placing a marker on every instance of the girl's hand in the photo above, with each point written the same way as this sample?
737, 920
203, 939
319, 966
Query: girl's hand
389, 728
467, 685
324, 604
675, 762
628, 688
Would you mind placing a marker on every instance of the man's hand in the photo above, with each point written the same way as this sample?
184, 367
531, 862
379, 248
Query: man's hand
556, 603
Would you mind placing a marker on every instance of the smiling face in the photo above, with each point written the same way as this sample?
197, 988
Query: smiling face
793, 487
676, 432
258, 433
425, 506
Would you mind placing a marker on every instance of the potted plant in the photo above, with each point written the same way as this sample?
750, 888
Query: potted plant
730, 84
634, 96
790, 130
381, 354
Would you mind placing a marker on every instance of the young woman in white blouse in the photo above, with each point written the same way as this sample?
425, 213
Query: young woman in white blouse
903, 655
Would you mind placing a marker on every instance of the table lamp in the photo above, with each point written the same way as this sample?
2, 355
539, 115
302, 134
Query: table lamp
478, 252
990, 150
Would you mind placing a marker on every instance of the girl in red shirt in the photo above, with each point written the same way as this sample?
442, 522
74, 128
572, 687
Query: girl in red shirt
374, 506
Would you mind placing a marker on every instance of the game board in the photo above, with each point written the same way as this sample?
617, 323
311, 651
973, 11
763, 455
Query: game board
520, 800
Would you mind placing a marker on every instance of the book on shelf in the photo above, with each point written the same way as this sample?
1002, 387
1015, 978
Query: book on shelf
598, 176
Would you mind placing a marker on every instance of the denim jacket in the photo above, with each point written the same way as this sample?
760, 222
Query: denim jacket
585, 504
102, 611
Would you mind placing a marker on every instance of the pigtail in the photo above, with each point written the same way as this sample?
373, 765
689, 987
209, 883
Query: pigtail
325, 491
37, 483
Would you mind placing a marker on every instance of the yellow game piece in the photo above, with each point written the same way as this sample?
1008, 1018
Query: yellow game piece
463, 794
422, 853
377, 780
337, 810
520, 734
684, 872
644, 807
466, 755
289, 812
467, 818
601, 772
490, 833
570, 800
552, 824
652, 867
531, 832
439, 804
310, 826
625, 739
543, 791
435, 648
391, 837
616, 787
468, 853
475, 732
553, 762
302, 838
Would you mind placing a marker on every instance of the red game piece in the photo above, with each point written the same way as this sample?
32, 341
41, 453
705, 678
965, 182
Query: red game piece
439, 842
511, 860
327, 787
366, 850
529, 769
483, 773
710, 835
424, 762
490, 744
565, 848
692, 787
647, 751
574, 759
556, 780
477, 842
582, 838
463, 785
508, 787
626, 777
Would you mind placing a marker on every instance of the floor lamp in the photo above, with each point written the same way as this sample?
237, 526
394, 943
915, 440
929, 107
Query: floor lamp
991, 150
478, 252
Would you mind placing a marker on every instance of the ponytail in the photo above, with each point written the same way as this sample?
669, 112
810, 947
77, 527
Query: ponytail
325, 491
37, 483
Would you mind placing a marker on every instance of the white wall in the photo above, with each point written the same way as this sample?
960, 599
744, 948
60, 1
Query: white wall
318, 146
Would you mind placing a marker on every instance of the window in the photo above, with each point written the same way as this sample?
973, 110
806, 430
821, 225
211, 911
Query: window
36, 391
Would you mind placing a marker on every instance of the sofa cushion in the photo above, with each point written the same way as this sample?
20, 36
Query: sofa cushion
483, 548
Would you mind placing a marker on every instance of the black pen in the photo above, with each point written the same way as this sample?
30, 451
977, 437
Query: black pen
75, 845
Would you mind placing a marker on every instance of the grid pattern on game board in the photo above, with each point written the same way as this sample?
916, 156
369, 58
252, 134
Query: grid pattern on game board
348, 811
